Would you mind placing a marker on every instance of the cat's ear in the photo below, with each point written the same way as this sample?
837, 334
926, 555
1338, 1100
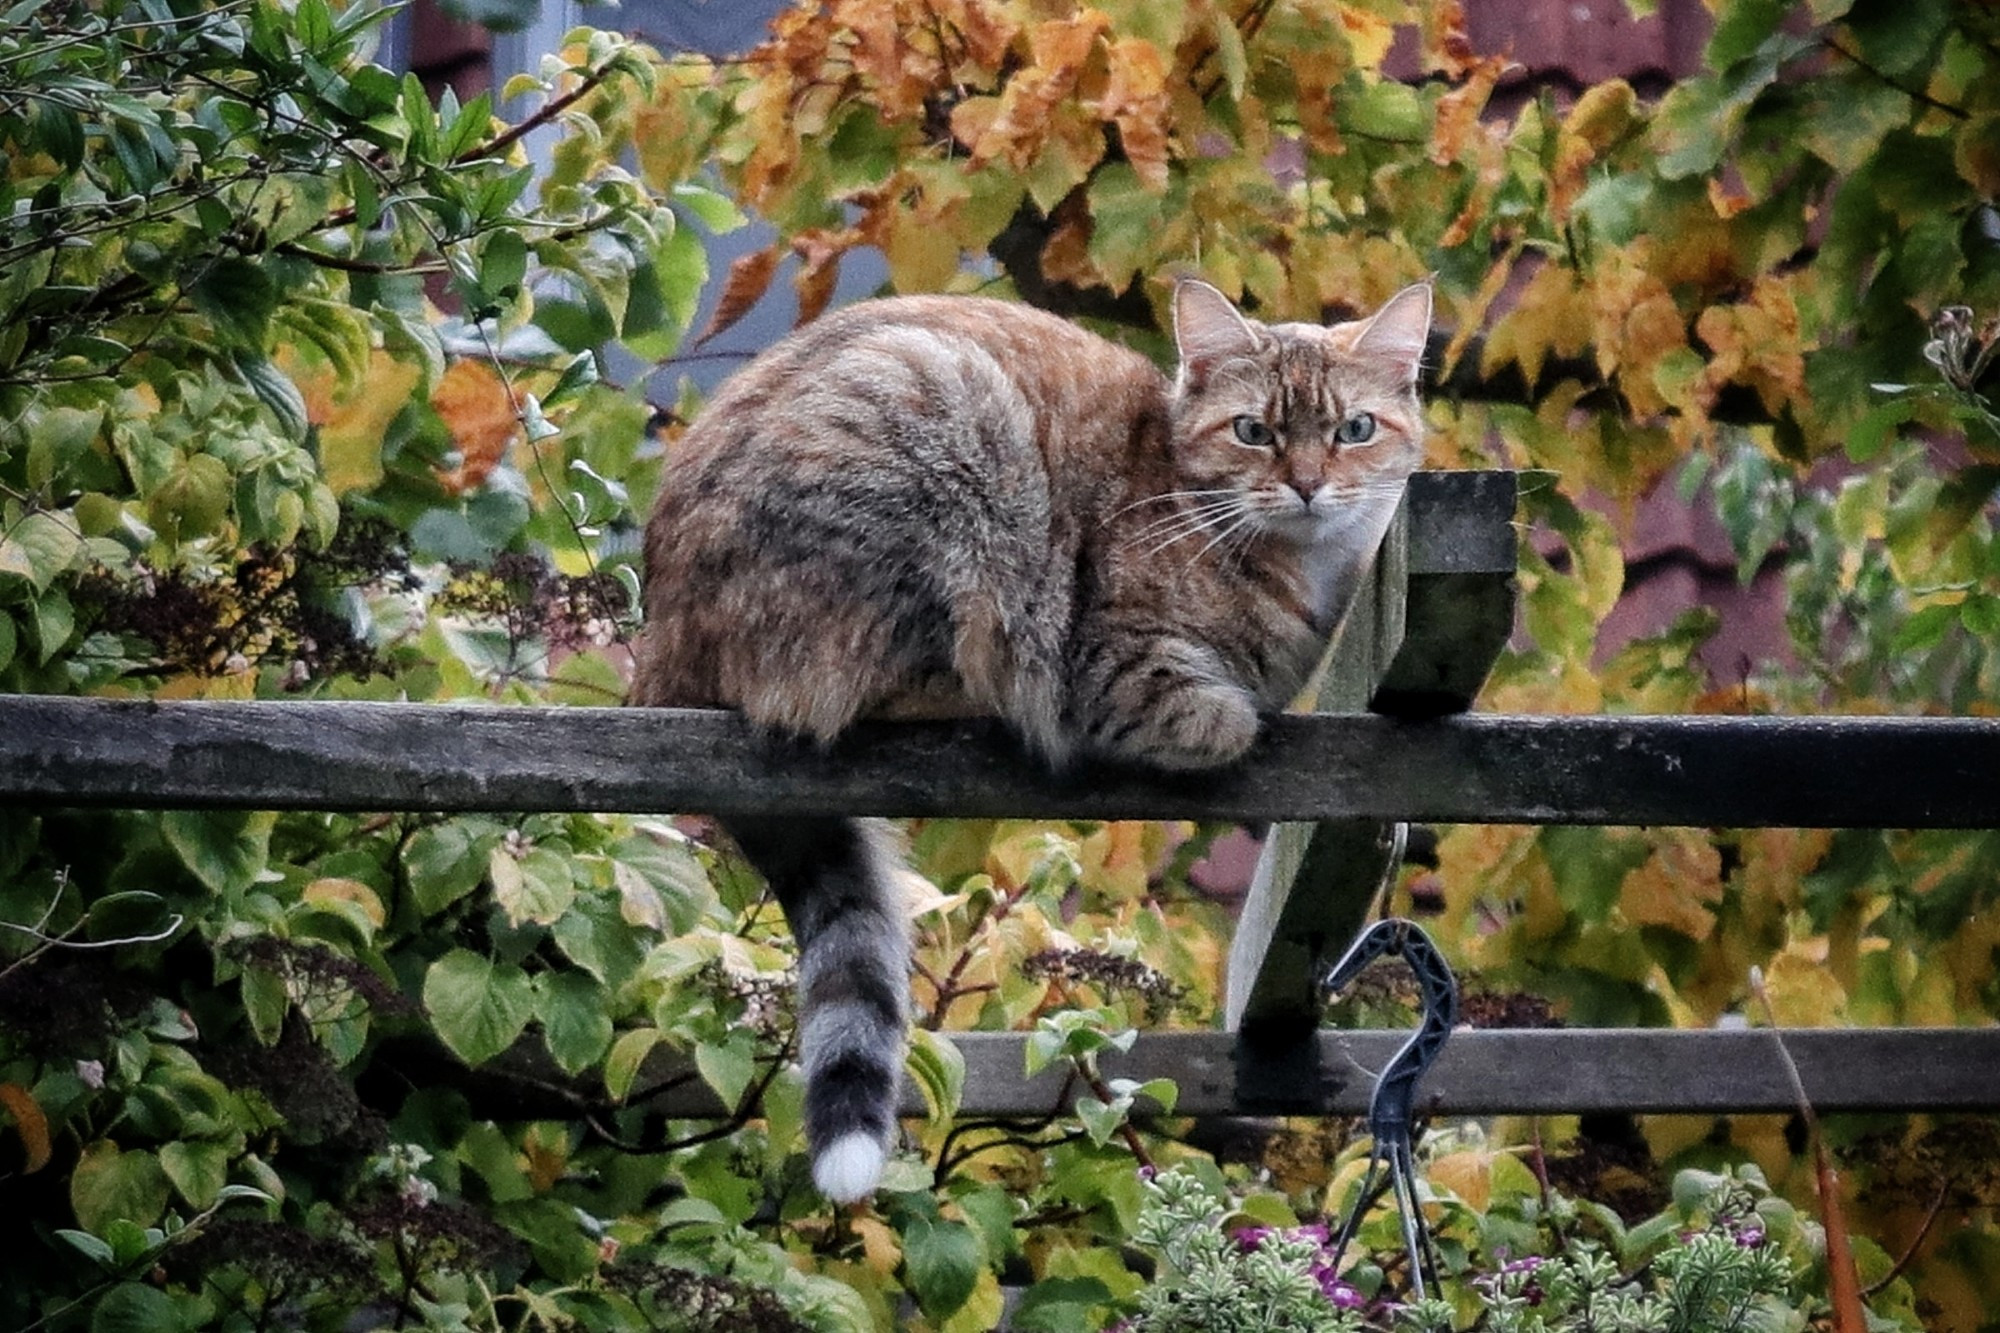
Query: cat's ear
1399, 330
1207, 328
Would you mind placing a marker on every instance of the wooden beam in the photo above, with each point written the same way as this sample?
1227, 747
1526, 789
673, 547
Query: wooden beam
1314, 881
1418, 641
1731, 772
1487, 1072
1459, 593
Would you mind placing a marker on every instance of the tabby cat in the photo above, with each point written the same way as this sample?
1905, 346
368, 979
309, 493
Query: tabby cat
937, 505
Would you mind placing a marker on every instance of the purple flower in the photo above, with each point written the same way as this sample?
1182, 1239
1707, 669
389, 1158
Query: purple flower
1750, 1237
1526, 1265
1340, 1294
1250, 1239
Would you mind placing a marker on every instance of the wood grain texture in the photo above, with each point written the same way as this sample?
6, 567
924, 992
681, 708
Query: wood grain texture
1743, 772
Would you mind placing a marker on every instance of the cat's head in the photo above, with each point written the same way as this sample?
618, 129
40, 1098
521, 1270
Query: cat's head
1295, 423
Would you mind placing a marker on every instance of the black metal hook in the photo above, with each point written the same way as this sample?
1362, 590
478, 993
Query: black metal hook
1391, 1111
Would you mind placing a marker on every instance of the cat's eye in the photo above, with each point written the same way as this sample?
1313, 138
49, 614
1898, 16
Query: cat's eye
1357, 429
1255, 433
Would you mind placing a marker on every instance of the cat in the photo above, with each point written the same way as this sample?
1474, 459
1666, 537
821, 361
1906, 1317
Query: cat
950, 505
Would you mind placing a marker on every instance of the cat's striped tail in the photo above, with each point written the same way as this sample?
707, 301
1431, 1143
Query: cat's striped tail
837, 880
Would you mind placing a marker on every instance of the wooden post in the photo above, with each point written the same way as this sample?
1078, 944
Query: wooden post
1418, 641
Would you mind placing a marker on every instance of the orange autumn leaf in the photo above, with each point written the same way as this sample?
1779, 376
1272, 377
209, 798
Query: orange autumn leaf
473, 402
1458, 112
899, 70
1135, 100
1015, 130
819, 253
29, 1121
984, 31
749, 276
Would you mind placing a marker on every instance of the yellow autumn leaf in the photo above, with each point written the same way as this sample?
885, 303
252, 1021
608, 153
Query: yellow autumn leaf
923, 256
1369, 35
546, 1152
881, 1248
1803, 992
1118, 858
352, 426
1551, 316
1467, 1174
1679, 886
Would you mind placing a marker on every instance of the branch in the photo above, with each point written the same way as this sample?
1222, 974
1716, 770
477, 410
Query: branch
1913, 94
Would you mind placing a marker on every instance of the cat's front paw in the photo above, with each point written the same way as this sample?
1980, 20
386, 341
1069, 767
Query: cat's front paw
1200, 726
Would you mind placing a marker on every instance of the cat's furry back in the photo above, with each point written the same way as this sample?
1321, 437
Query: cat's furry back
948, 505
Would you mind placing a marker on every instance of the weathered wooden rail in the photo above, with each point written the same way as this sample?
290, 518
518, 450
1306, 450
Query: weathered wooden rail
1414, 652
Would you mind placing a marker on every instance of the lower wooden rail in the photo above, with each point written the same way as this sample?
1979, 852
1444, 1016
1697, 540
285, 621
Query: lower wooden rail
1550, 1071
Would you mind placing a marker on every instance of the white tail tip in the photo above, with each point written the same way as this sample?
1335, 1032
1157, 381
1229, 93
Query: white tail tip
849, 1168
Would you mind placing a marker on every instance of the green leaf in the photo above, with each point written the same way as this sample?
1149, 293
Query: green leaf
1101, 1119
1869, 436
193, 501
942, 1261
98, 1251
728, 1066
239, 298
198, 1170
628, 1054
579, 374
478, 1009
265, 1003
275, 390
576, 1022
443, 863
936, 1066
134, 1307
127, 915
109, 1185
51, 621
600, 941
1059, 1304
1742, 27
1898, 37
1386, 110
503, 263
40, 549
225, 849
534, 886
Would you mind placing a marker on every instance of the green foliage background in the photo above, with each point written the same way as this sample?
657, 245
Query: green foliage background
245, 452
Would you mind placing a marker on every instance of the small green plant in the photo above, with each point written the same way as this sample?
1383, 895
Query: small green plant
1726, 1257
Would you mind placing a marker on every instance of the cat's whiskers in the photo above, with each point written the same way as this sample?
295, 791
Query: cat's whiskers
1247, 518
1234, 513
1167, 497
1193, 516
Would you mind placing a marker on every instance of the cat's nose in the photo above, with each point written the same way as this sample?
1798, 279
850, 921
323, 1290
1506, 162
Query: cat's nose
1304, 490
